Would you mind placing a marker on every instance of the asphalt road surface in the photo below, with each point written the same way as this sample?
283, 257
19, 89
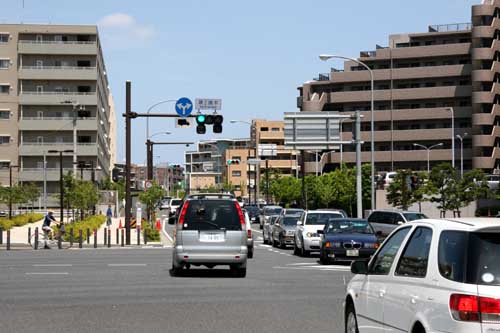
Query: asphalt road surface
131, 290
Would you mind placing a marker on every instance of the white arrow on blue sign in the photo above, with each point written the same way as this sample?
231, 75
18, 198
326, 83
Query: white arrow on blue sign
184, 107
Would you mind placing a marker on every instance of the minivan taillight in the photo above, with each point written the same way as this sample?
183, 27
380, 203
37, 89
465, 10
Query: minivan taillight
240, 214
183, 213
249, 233
474, 308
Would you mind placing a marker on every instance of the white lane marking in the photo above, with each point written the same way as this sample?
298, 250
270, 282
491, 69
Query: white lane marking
52, 265
337, 269
255, 230
166, 233
265, 245
127, 265
47, 273
299, 264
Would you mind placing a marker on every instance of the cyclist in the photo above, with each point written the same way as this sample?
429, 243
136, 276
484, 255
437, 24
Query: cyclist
49, 218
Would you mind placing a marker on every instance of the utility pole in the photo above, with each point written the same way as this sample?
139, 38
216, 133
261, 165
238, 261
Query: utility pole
149, 159
128, 140
267, 181
303, 176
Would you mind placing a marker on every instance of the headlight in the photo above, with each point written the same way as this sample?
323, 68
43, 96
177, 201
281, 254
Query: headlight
311, 234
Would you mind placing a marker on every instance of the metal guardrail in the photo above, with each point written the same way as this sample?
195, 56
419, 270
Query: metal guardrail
72, 42
59, 67
450, 27
58, 118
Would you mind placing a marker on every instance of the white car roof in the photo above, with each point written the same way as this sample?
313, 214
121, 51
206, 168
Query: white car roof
467, 224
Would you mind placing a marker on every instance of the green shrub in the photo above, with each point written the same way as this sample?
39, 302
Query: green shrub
19, 220
91, 223
152, 234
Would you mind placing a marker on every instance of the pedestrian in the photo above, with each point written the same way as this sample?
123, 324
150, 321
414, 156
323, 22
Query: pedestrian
109, 215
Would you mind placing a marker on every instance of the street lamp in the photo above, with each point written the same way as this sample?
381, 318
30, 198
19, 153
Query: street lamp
326, 57
252, 129
149, 153
61, 177
341, 145
151, 108
461, 138
452, 137
428, 151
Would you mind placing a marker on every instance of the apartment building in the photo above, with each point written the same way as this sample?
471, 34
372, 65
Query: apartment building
169, 176
54, 95
207, 166
424, 83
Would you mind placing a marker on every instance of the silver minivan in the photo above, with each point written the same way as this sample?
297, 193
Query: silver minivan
210, 231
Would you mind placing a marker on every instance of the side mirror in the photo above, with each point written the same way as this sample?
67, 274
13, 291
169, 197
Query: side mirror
321, 232
171, 220
400, 222
299, 223
359, 267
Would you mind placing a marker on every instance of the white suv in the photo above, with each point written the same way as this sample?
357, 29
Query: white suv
429, 276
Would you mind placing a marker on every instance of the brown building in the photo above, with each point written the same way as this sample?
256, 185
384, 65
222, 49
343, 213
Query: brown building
419, 79
169, 176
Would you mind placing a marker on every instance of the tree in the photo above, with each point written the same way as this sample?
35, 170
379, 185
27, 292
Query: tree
399, 192
151, 197
444, 187
471, 187
30, 193
85, 195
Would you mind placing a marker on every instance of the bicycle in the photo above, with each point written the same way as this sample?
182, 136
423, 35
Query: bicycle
51, 241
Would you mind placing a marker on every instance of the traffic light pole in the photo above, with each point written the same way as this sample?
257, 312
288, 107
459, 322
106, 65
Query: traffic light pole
128, 162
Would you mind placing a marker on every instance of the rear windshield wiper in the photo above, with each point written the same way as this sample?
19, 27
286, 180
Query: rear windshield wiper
213, 224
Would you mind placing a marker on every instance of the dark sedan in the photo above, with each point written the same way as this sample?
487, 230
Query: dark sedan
347, 239
253, 213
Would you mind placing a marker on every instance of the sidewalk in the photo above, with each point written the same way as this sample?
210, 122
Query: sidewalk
19, 235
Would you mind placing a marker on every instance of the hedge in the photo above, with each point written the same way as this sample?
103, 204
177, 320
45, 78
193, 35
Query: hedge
152, 234
20, 220
90, 223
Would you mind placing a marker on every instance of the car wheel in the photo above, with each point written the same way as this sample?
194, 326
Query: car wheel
303, 251
176, 271
295, 249
351, 323
281, 243
323, 259
250, 253
261, 226
239, 272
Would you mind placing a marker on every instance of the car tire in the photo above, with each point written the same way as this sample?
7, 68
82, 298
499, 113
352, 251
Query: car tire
264, 240
261, 226
323, 259
281, 243
239, 272
250, 253
303, 252
351, 322
176, 271
295, 249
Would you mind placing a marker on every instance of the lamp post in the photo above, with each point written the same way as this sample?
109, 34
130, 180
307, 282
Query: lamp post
61, 177
151, 108
149, 153
252, 129
461, 138
452, 136
326, 57
341, 145
428, 152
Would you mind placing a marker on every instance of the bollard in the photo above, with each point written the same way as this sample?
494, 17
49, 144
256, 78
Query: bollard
117, 237
88, 236
145, 240
105, 235
138, 235
80, 238
71, 237
1, 235
36, 238
109, 239
29, 236
8, 240
95, 239
59, 242
123, 238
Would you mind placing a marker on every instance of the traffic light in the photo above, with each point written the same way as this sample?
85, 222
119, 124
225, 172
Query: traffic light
201, 120
209, 119
229, 162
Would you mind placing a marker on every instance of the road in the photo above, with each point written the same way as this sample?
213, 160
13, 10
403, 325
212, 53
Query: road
131, 290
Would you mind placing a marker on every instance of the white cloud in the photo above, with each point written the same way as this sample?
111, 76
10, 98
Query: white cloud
120, 23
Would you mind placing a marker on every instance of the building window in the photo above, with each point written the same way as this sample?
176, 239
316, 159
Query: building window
4, 63
236, 158
4, 38
4, 88
4, 140
4, 114
236, 173
275, 129
264, 129
4, 164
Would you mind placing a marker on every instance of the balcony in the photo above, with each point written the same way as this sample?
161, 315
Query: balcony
57, 73
56, 98
57, 124
37, 174
57, 47
400, 156
37, 149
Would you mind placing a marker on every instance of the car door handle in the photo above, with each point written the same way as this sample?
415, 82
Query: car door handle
381, 293
413, 299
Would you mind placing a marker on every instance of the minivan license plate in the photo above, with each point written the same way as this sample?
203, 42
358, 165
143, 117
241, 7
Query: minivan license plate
211, 237
352, 253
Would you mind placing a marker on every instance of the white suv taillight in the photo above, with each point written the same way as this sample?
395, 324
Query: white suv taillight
249, 233
474, 308
183, 213
240, 214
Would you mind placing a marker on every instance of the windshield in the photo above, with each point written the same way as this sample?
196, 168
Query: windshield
273, 211
470, 257
414, 216
252, 209
348, 227
321, 218
290, 220
176, 202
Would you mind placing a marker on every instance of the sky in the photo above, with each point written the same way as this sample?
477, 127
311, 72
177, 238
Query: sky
251, 54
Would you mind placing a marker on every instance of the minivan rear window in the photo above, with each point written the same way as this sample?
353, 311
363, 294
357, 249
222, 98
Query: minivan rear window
212, 215
470, 257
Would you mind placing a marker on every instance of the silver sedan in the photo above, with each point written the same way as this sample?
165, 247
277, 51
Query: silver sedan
267, 232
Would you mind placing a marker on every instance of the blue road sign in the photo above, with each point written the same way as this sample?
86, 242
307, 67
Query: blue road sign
183, 106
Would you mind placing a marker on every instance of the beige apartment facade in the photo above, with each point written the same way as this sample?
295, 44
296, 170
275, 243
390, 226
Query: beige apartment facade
54, 95
423, 83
